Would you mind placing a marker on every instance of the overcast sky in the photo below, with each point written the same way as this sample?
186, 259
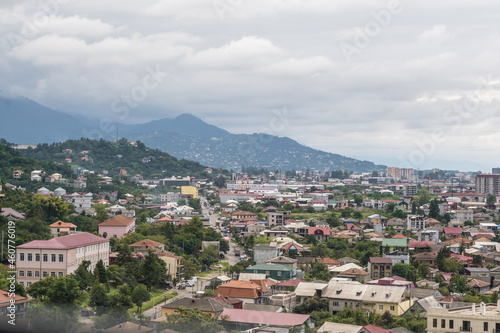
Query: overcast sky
405, 83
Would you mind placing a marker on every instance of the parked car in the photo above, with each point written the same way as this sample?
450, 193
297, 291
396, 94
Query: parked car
243, 257
181, 286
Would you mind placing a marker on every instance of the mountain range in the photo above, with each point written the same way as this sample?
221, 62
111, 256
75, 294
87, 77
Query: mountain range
23, 121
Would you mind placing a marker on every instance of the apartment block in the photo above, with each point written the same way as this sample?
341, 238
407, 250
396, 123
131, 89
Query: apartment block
488, 184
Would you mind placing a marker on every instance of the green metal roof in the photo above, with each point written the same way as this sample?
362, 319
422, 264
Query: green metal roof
269, 267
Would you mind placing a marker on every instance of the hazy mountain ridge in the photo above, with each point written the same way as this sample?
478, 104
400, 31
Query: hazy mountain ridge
23, 121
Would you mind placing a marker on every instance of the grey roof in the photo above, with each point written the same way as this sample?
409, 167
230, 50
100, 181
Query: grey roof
204, 304
281, 260
400, 330
477, 269
428, 302
423, 293
330, 327
351, 290
308, 289
261, 307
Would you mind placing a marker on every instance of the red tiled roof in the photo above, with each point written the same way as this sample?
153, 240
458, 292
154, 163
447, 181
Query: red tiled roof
5, 299
313, 230
380, 260
239, 289
62, 224
146, 242
118, 221
398, 236
263, 317
376, 329
290, 283
65, 242
452, 230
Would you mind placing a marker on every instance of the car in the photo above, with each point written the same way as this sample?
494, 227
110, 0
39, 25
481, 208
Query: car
181, 287
243, 256
219, 266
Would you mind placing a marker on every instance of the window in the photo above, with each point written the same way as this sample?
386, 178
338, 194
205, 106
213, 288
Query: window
443, 323
28, 284
380, 307
21, 283
335, 304
29, 273
37, 257
392, 308
53, 257
434, 322
279, 273
44, 274
53, 274
21, 256
466, 326
267, 273
45, 258
450, 324
21, 273
30, 256
61, 258
37, 274
59, 273
485, 326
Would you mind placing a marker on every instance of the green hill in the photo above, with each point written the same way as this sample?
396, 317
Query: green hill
11, 159
100, 155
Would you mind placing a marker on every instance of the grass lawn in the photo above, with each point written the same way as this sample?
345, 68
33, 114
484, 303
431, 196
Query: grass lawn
158, 296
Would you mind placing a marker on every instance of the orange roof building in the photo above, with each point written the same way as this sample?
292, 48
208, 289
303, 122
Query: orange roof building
117, 226
245, 290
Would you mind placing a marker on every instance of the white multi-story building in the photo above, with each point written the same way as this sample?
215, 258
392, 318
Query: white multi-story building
59, 256
474, 318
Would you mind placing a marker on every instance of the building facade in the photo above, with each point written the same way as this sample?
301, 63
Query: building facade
59, 256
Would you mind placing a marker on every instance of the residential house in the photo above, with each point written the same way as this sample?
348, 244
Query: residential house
452, 232
277, 231
307, 290
397, 249
415, 222
241, 319
478, 273
247, 291
421, 306
354, 274
479, 286
81, 202
425, 257
207, 305
146, 245
263, 252
172, 263
13, 303
242, 215
375, 298
61, 228
11, 214
117, 226
278, 218
273, 271
59, 256
379, 267
16, 174
281, 260
322, 234
37, 175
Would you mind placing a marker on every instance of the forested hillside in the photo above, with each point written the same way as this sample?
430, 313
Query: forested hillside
11, 159
99, 155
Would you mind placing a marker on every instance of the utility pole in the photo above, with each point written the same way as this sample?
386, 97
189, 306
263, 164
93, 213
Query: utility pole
1, 258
